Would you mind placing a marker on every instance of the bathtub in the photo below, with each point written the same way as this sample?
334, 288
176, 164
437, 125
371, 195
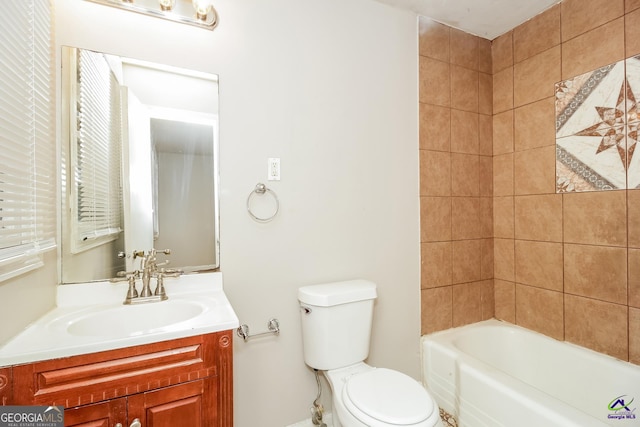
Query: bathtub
493, 373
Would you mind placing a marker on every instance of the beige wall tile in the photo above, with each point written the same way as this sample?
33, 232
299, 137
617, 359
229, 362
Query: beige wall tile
467, 303
465, 218
633, 206
535, 77
535, 171
485, 135
485, 93
505, 297
466, 261
597, 325
488, 299
435, 173
486, 259
540, 310
464, 132
503, 175
486, 218
539, 217
503, 132
632, 33
503, 262
435, 219
535, 125
502, 52
435, 82
503, 225
594, 49
437, 267
464, 49
484, 56
537, 35
464, 89
503, 90
596, 218
465, 174
486, 175
634, 336
436, 308
598, 272
580, 16
634, 278
434, 39
539, 264
435, 128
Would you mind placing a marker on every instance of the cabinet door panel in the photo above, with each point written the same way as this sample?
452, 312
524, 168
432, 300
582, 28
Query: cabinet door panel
105, 414
181, 405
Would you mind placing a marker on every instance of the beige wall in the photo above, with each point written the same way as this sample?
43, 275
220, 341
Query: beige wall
566, 265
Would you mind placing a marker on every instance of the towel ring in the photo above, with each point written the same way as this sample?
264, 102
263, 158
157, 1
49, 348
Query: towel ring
262, 189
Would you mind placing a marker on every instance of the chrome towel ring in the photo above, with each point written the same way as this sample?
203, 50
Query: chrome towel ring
261, 190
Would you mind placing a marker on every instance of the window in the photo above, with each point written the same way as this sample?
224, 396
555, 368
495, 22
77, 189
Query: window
27, 142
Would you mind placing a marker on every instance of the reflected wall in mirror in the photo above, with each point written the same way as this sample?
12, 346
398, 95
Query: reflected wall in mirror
139, 165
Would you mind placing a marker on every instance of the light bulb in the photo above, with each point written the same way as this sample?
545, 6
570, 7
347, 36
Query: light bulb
167, 4
202, 8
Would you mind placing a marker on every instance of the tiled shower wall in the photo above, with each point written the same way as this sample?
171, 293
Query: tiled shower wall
455, 177
566, 265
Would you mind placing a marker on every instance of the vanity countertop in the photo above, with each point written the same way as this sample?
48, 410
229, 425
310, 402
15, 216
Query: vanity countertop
91, 317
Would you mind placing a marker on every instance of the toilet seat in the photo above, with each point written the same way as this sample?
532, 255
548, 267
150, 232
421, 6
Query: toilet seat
383, 397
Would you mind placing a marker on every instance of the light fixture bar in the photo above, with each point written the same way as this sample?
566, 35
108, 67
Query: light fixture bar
182, 12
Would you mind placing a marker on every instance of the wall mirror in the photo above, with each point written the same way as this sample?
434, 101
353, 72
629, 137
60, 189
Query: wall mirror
139, 165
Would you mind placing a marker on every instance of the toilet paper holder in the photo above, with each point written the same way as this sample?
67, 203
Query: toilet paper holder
273, 325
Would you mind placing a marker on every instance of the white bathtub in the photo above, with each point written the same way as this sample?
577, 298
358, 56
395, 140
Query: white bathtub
493, 373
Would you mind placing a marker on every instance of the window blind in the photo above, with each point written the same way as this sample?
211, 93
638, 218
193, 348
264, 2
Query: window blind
27, 142
96, 153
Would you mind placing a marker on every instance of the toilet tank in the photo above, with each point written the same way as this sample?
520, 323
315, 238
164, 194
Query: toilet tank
336, 323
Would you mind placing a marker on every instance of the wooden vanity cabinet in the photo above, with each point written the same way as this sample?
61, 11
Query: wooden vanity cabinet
184, 382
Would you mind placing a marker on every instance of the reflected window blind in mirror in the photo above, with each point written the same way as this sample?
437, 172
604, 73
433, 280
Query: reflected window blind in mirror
96, 151
27, 143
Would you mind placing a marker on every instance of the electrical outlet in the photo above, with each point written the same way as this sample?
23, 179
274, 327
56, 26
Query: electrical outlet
273, 169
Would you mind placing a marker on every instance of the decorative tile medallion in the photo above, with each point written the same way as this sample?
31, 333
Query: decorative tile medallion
597, 129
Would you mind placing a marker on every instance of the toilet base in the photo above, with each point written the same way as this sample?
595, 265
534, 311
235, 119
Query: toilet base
341, 415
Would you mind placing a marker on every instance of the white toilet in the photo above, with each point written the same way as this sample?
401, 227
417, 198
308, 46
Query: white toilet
336, 330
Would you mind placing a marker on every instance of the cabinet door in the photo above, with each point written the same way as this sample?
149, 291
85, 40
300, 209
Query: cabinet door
189, 404
105, 414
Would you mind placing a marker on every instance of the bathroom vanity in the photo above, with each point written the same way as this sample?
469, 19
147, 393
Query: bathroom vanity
174, 366
186, 381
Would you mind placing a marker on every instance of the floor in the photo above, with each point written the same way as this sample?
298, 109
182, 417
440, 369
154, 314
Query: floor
447, 419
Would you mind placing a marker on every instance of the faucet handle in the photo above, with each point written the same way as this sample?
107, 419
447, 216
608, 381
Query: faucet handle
121, 276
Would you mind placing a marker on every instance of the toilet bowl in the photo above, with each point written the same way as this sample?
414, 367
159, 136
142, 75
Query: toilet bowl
364, 396
336, 331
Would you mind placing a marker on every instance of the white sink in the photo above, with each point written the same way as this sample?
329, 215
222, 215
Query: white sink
129, 320
92, 317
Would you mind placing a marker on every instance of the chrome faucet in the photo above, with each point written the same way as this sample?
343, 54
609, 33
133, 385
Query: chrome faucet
148, 269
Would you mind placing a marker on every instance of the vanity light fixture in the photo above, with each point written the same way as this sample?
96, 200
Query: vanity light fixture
199, 13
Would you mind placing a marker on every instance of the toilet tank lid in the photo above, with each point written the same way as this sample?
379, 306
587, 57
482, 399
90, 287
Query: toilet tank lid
329, 294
